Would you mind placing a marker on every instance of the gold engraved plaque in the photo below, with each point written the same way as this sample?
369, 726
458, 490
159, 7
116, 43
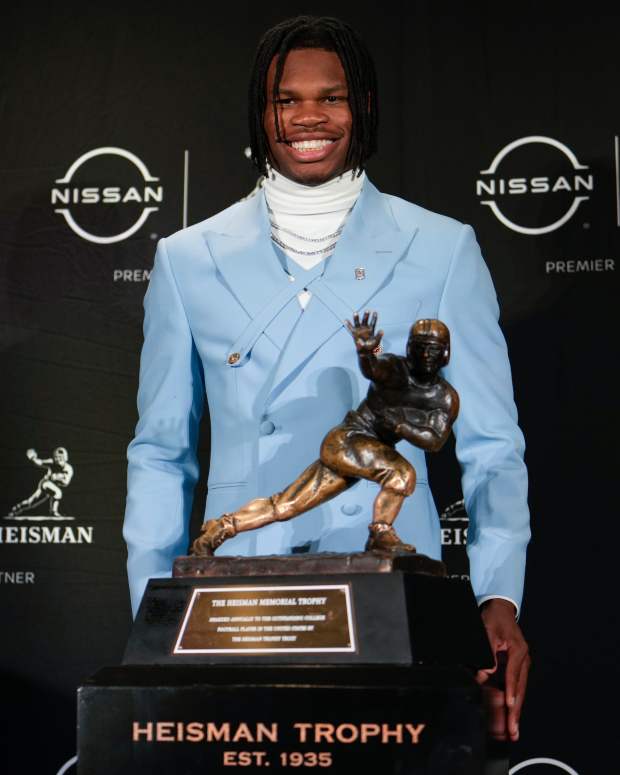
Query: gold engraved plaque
267, 619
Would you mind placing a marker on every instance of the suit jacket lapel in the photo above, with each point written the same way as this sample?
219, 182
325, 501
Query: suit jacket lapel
370, 247
247, 262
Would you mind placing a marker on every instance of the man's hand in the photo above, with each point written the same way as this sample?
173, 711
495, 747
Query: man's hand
366, 341
504, 699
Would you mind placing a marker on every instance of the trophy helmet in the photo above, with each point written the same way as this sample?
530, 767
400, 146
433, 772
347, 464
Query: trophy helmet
429, 330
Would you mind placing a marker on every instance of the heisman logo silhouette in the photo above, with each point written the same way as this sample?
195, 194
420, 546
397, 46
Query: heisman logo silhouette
50, 487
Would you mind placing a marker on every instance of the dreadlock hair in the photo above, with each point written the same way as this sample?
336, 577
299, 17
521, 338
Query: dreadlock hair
329, 34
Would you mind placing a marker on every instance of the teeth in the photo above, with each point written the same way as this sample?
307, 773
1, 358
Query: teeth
311, 145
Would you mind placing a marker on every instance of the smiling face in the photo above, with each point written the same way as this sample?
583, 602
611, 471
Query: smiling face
313, 114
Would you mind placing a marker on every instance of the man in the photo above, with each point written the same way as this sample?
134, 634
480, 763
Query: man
250, 305
407, 399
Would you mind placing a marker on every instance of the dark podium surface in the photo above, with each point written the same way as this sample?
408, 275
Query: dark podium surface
369, 665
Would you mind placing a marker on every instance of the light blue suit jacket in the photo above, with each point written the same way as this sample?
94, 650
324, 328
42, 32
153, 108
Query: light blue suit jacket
218, 288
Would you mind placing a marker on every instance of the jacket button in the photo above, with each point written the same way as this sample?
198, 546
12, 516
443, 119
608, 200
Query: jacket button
267, 428
233, 358
350, 509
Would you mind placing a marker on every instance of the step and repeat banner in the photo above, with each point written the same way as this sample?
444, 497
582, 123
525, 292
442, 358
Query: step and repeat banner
122, 125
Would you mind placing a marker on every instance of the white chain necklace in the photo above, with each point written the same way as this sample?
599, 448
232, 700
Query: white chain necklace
284, 246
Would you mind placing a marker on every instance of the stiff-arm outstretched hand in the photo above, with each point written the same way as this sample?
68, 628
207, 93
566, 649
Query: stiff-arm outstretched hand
363, 333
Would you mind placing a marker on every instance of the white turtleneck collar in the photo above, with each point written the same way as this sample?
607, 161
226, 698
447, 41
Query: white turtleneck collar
290, 198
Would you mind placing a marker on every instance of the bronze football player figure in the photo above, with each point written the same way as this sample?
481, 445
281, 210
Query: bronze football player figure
407, 399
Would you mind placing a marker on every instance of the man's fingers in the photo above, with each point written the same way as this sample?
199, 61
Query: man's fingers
513, 661
516, 656
349, 326
373, 320
356, 319
365, 318
514, 713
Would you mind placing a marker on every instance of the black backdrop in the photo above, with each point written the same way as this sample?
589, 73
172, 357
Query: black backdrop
459, 83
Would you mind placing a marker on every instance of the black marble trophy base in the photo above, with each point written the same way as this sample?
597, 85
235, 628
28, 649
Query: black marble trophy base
197, 720
334, 663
